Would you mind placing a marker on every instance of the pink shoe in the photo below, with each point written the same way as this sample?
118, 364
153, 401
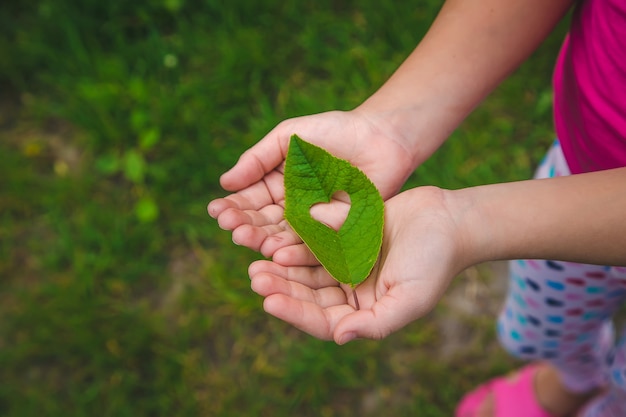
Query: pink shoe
514, 397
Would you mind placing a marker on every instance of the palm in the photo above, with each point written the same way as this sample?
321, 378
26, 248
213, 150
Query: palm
414, 269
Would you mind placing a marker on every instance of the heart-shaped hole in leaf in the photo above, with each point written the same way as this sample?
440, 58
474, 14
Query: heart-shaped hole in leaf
333, 214
313, 176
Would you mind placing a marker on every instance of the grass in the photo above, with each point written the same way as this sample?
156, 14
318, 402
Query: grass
118, 295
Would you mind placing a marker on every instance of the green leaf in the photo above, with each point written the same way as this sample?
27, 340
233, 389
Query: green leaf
312, 175
108, 164
134, 166
149, 138
146, 210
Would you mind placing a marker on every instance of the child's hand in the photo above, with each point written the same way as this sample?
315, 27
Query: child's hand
420, 256
254, 212
356, 136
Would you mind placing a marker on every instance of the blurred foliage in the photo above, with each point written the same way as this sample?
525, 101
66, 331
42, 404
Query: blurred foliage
118, 295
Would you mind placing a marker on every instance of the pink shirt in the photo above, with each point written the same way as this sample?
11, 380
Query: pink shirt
590, 87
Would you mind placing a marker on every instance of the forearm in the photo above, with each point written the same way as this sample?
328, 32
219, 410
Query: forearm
580, 218
470, 48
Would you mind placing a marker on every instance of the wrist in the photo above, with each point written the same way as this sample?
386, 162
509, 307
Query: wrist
407, 126
476, 240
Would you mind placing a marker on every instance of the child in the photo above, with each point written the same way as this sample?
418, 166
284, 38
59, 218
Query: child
557, 312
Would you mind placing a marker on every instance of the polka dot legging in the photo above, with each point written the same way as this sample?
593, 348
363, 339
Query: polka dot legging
561, 312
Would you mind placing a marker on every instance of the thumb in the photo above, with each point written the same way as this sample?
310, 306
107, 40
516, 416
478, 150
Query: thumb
254, 163
385, 317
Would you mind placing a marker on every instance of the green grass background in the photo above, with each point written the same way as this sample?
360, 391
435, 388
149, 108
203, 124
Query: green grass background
119, 296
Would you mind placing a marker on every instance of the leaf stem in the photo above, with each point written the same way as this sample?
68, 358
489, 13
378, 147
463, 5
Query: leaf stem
356, 300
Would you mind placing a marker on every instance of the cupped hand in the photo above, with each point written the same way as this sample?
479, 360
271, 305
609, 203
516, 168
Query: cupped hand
421, 253
368, 142
254, 211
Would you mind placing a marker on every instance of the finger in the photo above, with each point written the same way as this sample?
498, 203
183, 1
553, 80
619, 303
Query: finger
253, 237
295, 255
268, 284
232, 218
257, 161
270, 189
275, 241
393, 311
252, 198
275, 183
265, 239
306, 316
217, 206
235, 201
314, 277
260, 194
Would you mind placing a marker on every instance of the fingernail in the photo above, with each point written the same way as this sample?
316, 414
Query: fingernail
347, 337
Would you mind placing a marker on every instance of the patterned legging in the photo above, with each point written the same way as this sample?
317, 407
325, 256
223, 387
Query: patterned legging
561, 312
